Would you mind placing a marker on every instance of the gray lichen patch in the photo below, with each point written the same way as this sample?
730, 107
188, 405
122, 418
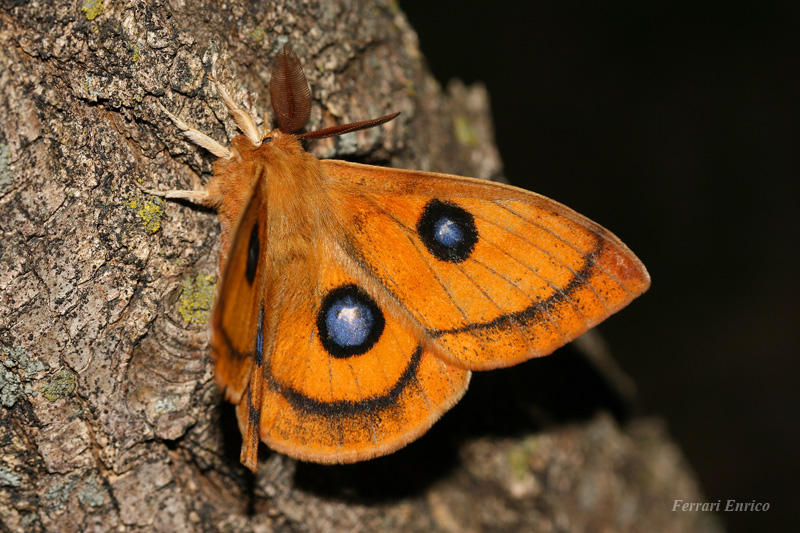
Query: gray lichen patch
8, 478
17, 368
10, 387
58, 493
5, 173
18, 358
92, 493
166, 404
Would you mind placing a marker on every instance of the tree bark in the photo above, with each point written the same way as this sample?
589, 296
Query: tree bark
111, 419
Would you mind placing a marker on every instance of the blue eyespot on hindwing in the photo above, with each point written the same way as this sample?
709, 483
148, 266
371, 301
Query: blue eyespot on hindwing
447, 231
349, 322
252, 255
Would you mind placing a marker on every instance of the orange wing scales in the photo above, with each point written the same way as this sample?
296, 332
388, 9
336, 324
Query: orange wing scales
534, 275
235, 317
547, 323
355, 300
323, 405
350, 430
473, 280
255, 392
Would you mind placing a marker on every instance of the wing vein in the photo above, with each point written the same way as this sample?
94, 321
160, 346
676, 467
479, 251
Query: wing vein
547, 280
514, 285
529, 221
575, 274
409, 234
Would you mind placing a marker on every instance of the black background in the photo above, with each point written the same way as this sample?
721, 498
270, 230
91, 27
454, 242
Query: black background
676, 125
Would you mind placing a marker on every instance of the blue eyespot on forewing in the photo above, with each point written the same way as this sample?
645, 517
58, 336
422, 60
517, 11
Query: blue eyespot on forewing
447, 231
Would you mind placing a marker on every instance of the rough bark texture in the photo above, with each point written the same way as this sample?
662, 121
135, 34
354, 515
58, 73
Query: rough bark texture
110, 417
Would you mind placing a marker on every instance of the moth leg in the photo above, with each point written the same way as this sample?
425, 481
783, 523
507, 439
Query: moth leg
200, 195
200, 139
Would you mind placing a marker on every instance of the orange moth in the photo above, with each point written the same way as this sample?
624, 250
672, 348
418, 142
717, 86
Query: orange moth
355, 300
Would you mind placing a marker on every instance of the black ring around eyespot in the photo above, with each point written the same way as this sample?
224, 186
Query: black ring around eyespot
447, 231
253, 248
350, 339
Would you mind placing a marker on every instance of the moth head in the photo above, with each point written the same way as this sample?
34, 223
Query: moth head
276, 140
272, 144
270, 136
